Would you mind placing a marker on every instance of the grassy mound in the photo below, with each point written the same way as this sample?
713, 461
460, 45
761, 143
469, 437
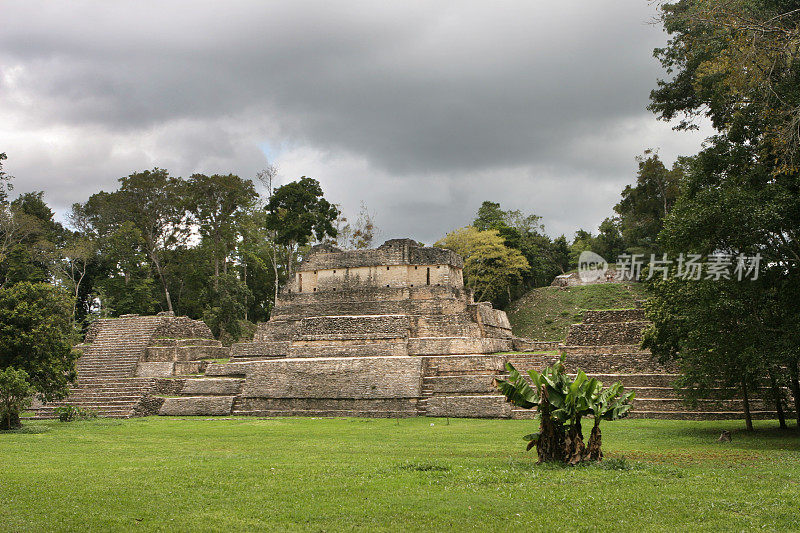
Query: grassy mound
545, 313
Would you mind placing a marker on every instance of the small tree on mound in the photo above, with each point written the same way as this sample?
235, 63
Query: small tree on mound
561, 404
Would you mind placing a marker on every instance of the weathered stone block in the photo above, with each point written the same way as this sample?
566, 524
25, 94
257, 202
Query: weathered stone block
155, 369
364, 377
479, 406
212, 386
197, 406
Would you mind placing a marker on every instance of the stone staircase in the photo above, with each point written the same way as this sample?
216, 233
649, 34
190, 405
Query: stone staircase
118, 347
110, 382
109, 397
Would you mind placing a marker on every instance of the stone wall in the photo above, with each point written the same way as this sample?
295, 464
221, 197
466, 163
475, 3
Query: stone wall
181, 327
396, 263
605, 333
356, 378
613, 315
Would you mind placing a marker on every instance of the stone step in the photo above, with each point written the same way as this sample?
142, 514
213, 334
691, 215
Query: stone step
327, 413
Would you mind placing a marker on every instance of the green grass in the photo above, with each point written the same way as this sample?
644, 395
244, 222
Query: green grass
545, 313
421, 474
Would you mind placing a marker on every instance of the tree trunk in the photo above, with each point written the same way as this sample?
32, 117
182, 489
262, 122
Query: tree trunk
163, 284
11, 421
575, 448
795, 384
748, 420
776, 394
594, 449
275, 268
550, 446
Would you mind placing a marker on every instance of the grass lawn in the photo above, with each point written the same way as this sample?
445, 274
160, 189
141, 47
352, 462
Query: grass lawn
544, 314
419, 474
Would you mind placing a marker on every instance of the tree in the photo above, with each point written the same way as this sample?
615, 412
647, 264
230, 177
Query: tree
15, 395
735, 62
153, 203
524, 233
36, 336
644, 206
296, 212
73, 266
490, 267
231, 298
29, 237
217, 204
609, 243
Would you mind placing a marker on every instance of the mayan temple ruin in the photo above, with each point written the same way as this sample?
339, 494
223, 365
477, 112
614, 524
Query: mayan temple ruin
386, 332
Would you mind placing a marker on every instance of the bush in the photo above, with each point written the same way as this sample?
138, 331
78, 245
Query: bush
68, 413
15, 395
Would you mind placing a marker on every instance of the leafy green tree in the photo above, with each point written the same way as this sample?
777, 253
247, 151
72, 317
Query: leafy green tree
490, 267
153, 203
296, 212
36, 336
609, 243
15, 395
645, 205
218, 204
224, 318
736, 63
526, 234
740, 192
30, 237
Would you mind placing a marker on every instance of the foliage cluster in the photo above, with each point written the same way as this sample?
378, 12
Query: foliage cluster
561, 404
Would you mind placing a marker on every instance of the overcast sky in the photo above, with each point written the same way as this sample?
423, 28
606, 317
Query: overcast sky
420, 109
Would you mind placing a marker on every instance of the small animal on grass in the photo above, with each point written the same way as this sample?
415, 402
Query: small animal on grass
725, 436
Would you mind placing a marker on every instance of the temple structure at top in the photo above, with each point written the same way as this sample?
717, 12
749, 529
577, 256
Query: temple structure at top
399, 299
397, 263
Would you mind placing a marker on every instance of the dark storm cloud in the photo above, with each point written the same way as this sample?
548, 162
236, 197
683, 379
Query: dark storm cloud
420, 109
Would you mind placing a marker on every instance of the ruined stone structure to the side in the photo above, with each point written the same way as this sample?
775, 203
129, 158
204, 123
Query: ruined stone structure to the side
390, 332
121, 358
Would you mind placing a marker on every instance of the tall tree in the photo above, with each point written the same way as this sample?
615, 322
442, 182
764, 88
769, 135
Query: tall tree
297, 212
645, 205
36, 336
217, 204
153, 203
736, 63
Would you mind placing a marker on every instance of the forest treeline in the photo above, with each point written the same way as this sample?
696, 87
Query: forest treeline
220, 247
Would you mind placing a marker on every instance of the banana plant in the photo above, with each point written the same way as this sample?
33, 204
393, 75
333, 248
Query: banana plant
612, 403
561, 404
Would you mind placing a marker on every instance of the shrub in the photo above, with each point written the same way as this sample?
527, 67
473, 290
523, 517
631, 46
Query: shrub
15, 395
68, 413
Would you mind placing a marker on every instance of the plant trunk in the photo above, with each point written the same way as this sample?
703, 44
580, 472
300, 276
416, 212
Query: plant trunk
594, 449
776, 394
11, 421
550, 446
163, 281
795, 384
748, 420
574, 447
